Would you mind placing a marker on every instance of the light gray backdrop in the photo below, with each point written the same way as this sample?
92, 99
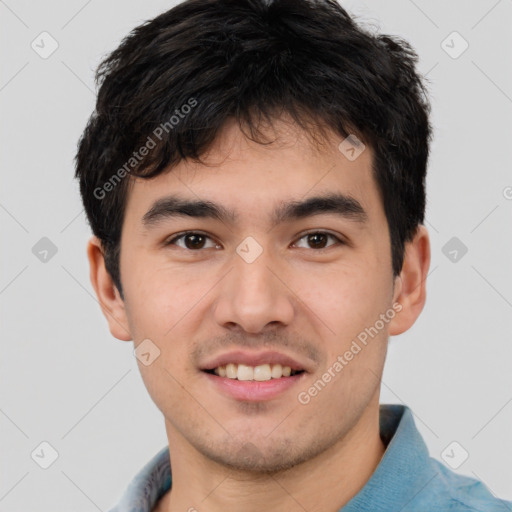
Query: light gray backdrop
64, 379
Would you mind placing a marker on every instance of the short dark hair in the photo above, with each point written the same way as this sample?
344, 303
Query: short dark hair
175, 80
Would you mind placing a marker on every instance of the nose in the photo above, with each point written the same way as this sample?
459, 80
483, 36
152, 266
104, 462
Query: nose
253, 295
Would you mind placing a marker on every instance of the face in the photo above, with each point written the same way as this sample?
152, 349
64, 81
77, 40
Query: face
278, 274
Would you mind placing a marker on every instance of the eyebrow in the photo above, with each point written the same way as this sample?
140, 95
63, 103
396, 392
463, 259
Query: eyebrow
175, 206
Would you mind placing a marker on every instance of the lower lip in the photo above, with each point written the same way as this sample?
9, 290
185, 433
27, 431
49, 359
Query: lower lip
251, 390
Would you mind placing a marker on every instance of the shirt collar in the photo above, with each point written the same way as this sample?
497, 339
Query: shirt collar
404, 470
402, 473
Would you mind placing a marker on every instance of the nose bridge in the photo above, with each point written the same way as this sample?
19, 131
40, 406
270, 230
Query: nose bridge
251, 275
252, 296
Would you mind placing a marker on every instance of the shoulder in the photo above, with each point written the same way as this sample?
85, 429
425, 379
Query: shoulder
460, 493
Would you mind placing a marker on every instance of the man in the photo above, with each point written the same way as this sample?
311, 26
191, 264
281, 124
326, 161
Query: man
254, 175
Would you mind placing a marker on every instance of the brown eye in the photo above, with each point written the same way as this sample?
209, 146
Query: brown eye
191, 240
194, 241
318, 239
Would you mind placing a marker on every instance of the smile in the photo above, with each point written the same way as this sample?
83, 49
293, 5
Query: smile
260, 373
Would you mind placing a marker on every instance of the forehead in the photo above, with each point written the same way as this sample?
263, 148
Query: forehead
252, 180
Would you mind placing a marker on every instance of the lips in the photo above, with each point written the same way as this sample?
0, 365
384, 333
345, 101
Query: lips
252, 383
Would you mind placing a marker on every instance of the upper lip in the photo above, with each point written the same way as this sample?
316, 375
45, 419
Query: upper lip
255, 359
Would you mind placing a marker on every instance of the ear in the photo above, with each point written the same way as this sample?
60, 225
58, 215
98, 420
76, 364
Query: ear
111, 303
411, 285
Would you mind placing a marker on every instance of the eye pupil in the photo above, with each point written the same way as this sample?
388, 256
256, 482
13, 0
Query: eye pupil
314, 236
195, 237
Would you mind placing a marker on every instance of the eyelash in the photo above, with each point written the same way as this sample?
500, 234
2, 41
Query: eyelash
186, 233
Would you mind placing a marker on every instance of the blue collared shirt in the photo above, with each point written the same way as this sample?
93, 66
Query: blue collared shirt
407, 479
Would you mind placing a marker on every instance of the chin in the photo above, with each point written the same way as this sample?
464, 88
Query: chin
250, 459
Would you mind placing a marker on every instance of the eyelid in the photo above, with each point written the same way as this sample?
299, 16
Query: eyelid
172, 239
338, 238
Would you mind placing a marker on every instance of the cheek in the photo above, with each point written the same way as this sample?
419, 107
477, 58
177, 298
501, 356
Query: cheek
347, 298
161, 297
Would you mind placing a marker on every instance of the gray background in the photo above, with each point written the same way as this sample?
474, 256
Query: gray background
66, 381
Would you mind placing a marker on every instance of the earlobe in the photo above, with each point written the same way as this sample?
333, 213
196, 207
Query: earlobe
112, 305
410, 286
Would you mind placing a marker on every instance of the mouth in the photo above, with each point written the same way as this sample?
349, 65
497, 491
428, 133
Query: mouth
255, 377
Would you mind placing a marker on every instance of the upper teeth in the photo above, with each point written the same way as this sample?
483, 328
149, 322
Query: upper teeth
260, 372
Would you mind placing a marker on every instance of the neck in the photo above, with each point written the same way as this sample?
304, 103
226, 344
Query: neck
325, 483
